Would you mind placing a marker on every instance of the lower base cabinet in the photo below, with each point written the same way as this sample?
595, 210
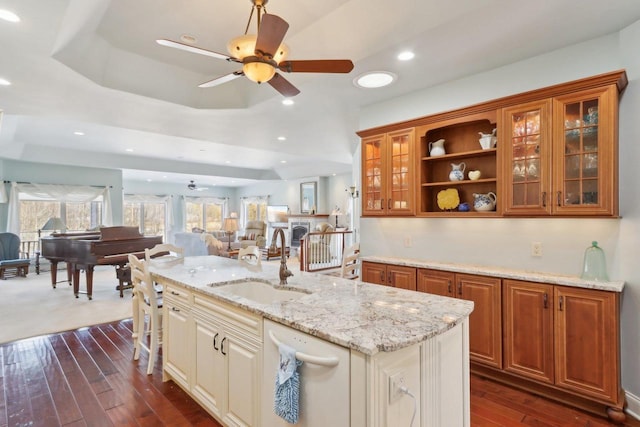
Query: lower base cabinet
485, 323
397, 276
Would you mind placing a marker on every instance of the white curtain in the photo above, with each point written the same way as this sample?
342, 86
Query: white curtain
61, 193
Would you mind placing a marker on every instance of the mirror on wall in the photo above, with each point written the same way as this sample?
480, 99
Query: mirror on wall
308, 195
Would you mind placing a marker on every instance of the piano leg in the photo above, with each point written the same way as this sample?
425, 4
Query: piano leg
54, 273
69, 274
75, 270
89, 274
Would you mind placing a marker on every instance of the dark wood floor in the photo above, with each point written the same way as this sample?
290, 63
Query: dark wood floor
87, 377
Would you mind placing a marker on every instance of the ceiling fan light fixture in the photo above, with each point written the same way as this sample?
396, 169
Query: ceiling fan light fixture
258, 72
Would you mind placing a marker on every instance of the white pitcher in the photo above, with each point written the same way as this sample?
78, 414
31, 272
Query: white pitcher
488, 140
436, 148
457, 171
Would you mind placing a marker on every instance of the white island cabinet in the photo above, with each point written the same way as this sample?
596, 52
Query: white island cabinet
372, 356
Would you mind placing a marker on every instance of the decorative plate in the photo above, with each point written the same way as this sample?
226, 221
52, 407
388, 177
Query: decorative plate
448, 199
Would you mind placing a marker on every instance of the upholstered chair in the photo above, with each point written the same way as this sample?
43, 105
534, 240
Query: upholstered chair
254, 235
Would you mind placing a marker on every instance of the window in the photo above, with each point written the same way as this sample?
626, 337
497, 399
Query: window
148, 213
205, 213
254, 208
76, 216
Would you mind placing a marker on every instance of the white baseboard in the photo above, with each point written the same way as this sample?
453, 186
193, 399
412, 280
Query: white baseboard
633, 405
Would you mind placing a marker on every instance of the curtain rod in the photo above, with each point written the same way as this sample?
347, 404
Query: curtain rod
25, 182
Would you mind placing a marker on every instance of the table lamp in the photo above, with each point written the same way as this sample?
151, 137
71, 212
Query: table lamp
230, 226
53, 224
336, 212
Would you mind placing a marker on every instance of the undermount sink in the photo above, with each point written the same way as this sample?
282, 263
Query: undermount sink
260, 292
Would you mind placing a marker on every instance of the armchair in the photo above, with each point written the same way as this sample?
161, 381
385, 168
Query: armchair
254, 235
10, 255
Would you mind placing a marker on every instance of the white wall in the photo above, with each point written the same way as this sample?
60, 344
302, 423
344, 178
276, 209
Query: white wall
507, 242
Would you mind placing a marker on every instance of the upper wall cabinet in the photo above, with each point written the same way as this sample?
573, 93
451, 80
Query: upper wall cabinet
560, 155
547, 152
388, 173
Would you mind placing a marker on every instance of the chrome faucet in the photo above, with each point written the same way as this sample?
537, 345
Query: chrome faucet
284, 271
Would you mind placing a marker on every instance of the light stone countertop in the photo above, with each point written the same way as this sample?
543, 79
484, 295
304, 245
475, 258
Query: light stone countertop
361, 316
504, 273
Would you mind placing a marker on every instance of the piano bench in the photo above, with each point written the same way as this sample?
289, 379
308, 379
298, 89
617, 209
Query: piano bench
21, 266
123, 274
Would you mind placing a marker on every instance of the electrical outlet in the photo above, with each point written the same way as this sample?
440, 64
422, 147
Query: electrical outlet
395, 382
407, 242
536, 249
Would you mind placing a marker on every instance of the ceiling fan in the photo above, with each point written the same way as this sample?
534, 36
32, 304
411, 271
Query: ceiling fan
192, 186
262, 54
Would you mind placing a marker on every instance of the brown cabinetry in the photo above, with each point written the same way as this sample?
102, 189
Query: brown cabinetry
560, 155
397, 276
556, 155
485, 322
566, 337
388, 173
462, 148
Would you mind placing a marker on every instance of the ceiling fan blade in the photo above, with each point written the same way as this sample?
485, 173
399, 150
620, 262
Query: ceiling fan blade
283, 86
317, 66
270, 35
219, 80
193, 49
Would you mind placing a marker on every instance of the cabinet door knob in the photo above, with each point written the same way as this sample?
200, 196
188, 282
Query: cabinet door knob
389, 204
381, 204
560, 302
382, 277
449, 287
544, 199
175, 293
215, 337
222, 346
459, 288
389, 282
559, 196
175, 309
545, 300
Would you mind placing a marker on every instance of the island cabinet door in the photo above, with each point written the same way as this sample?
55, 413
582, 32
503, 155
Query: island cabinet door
436, 282
528, 329
209, 383
587, 342
244, 369
485, 322
372, 272
177, 323
401, 277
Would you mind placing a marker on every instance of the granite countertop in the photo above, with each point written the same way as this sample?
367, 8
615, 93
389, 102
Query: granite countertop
361, 316
504, 273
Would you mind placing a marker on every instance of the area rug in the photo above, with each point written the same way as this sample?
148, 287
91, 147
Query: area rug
29, 306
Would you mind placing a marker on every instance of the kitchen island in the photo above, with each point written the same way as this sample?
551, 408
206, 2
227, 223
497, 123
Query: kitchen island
373, 355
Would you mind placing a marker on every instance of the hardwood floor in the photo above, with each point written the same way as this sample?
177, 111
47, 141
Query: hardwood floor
87, 377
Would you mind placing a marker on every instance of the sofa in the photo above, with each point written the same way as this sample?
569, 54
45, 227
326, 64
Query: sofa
198, 244
255, 234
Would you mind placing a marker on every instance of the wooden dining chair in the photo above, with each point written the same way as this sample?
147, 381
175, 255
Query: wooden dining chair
147, 312
250, 252
163, 251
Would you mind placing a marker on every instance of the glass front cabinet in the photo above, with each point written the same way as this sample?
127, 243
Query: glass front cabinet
560, 157
388, 174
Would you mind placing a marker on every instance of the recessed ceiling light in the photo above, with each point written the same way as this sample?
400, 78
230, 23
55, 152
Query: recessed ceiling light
282, 138
4, 82
406, 55
374, 79
149, 180
227, 161
188, 39
129, 150
283, 161
164, 176
9, 16
287, 101
79, 133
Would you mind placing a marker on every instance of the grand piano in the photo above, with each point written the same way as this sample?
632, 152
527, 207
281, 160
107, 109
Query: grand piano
83, 251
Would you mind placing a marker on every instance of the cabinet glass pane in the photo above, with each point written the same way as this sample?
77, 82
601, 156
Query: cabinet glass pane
581, 147
525, 155
372, 191
399, 172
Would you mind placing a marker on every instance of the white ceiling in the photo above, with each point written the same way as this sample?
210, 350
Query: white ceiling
93, 66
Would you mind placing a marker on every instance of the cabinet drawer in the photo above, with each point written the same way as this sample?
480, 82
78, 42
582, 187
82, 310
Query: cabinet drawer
177, 294
238, 319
